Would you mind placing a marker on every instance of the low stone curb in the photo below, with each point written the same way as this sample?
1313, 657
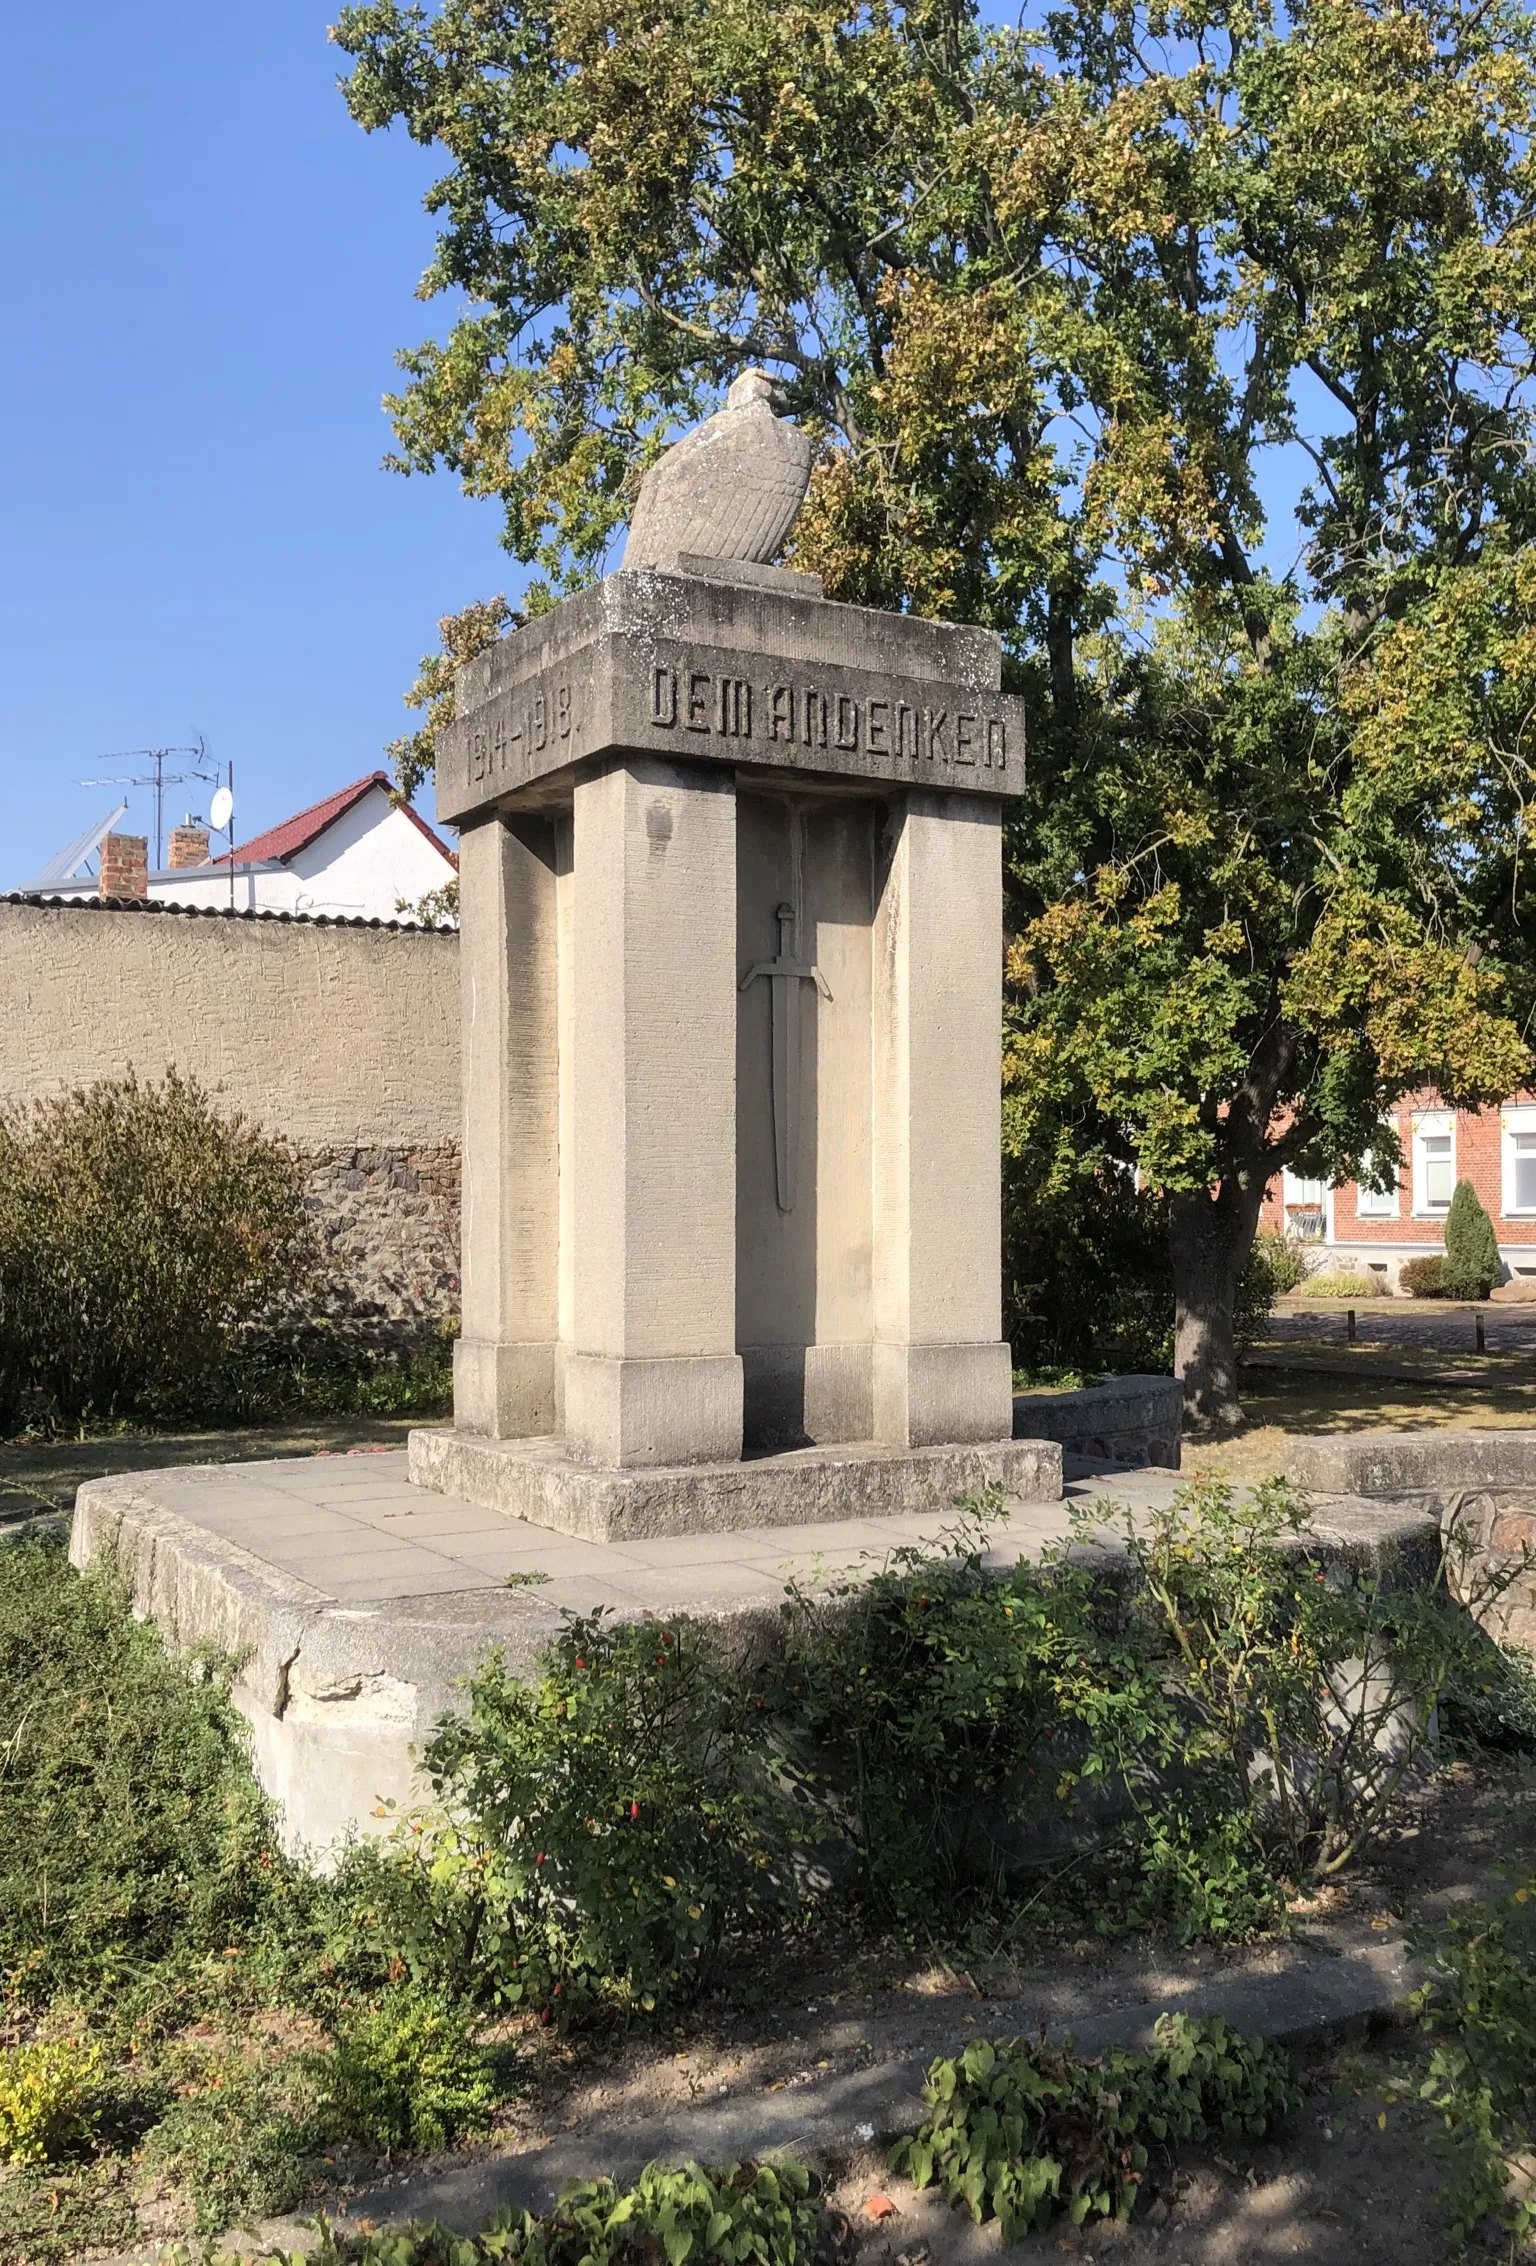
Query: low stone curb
1347, 1979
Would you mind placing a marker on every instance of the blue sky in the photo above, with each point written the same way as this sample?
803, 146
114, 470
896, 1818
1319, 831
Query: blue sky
207, 270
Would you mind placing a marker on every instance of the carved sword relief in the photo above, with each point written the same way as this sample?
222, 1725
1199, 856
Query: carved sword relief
786, 974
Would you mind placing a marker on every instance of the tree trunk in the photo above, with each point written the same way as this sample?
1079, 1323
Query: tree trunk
1209, 1239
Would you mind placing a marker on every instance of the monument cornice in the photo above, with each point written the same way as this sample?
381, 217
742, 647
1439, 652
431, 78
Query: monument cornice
767, 674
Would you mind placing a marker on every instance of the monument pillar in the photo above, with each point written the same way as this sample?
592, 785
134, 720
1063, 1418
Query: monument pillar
941, 1368
504, 1381
732, 937
652, 1375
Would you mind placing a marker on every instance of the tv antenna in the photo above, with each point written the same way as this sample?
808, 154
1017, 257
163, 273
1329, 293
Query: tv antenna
159, 778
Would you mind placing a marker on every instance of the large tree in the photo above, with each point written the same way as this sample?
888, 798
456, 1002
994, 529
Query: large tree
1068, 308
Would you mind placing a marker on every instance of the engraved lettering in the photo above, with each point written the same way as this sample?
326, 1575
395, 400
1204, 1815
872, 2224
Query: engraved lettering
813, 730
563, 708
735, 710
697, 719
663, 698
540, 722
965, 736
936, 720
477, 753
879, 725
781, 712
997, 744
498, 760
847, 735
906, 721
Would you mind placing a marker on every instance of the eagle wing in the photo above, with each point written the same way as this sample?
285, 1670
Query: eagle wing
730, 489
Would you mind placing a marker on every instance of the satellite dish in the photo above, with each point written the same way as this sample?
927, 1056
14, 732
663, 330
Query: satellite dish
221, 810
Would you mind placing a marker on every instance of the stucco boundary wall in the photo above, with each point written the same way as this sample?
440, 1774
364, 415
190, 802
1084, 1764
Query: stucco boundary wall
341, 1036
1123, 1421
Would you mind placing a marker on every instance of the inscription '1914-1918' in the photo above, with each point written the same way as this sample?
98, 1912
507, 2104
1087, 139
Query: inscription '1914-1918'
732, 708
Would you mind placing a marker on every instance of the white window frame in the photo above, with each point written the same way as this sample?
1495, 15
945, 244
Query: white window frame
1307, 1195
1518, 1119
1370, 1204
1431, 1124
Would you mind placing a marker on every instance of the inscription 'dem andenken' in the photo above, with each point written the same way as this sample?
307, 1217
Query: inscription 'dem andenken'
733, 708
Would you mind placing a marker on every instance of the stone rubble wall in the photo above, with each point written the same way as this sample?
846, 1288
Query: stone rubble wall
388, 1222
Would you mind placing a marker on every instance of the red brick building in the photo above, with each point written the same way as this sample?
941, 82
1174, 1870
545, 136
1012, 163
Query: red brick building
1493, 1148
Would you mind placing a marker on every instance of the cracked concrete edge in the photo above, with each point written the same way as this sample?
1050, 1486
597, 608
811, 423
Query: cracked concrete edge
184, 1578
1352, 1982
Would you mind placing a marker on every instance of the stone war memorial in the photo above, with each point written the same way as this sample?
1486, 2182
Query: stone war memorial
731, 938
731, 907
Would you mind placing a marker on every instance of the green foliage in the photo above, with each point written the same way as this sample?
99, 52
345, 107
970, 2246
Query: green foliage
1345, 1282
235, 2142
1300, 1698
736, 2214
320, 1370
1482, 2077
1086, 1278
132, 1834
1490, 1703
1425, 1278
405, 2072
1471, 1245
597, 1830
45, 2099
922, 1697
1025, 2131
1283, 1259
463, 636
139, 1230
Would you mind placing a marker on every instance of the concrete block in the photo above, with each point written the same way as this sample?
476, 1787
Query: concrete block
1411, 1463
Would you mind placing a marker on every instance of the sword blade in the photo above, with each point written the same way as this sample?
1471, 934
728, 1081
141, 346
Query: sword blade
786, 1085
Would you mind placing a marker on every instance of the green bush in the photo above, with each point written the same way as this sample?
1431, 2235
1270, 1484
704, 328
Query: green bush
1087, 1280
597, 1831
1341, 1282
1425, 1278
132, 1833
404, 2073
1471, 1245
1024, 2132
45, 2099
138, 1230
1482, 2077
921, 1698
1283, 1259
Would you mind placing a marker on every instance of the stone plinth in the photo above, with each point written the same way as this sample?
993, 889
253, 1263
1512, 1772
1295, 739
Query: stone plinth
731, 921
536, 1480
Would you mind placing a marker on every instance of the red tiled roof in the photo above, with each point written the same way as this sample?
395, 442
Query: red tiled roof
280, 843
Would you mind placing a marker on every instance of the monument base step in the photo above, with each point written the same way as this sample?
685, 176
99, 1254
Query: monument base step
537, 1481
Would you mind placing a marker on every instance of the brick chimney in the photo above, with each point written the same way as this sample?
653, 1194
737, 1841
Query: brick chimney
124, 866
189, 843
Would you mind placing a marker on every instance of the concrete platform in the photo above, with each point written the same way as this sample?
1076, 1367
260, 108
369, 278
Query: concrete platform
358, 1603
538, 1480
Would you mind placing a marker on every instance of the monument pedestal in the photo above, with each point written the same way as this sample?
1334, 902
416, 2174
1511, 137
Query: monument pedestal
537, 1481
731, 915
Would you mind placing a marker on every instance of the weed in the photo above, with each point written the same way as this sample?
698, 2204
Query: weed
404, 2073
235, 2141
1482, 2077
1025, 2131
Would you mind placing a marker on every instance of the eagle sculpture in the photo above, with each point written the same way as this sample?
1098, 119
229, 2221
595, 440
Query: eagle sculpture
730, 489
